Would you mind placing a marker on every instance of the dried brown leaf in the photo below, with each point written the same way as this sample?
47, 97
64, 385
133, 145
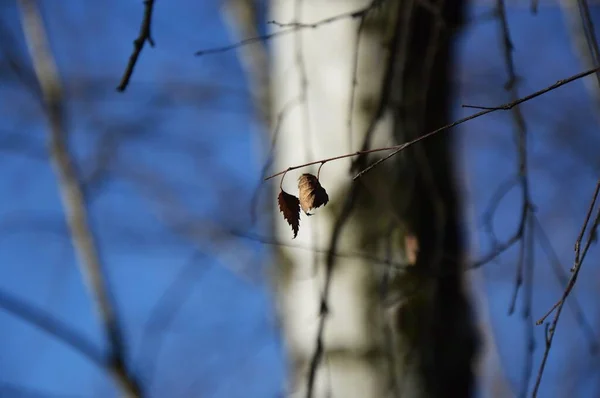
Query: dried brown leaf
312, 194
411, 246
289, 205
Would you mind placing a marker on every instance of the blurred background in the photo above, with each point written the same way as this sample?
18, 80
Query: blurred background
213, 296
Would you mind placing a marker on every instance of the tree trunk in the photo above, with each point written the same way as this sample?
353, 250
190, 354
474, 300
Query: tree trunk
436, 321
388, 331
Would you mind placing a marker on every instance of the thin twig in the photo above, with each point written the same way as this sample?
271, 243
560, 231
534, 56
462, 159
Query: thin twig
164, 312
52, 326
527, 303
354, 79
281, 115
584, 226
72, 195
144, 36
525, 231
580, 256
389, 332
561, 277
244, 16
589, 31
521, 138
341, 221
396, 266
488, 216
290, 28
349, 203
397, 148
304, 101
354, 82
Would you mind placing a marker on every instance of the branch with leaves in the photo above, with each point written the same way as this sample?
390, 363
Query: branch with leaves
395, 149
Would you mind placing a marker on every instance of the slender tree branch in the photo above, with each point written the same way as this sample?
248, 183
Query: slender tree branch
165, 310
561, 277
397, 148
290, 28
348, 207
51, 326
587, 25
144, 36
71, 192
579, 257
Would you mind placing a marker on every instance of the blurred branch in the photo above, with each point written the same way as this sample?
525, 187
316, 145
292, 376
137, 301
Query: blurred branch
355, 190
340, 222
24, 391
244, 17
550, 328
50, 325
15, 62
290, 28
281, 115
144, 36
582, 31
389, 330
525, 232
71, 192
165, 310
255, 59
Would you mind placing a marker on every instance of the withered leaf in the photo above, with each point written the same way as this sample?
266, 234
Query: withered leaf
289, 205
312, 194
411, 246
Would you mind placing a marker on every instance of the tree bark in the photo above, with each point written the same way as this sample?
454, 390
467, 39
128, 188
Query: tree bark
406, 332
437, 321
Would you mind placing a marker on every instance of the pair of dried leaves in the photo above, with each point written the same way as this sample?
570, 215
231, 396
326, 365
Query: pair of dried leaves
312, 195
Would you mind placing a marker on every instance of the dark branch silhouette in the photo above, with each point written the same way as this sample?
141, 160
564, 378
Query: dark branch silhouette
144, 36
398, 148
579, 257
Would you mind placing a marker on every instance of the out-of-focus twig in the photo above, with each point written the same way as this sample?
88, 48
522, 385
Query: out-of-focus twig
45, 322
165, 310
341, 221
144, 36
71, 193
255, 59
525, 233
581, 29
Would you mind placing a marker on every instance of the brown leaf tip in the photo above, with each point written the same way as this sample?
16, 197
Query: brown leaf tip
312, 194
289, 205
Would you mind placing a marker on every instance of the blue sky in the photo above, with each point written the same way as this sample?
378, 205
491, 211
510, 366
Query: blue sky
562, 128
201, 311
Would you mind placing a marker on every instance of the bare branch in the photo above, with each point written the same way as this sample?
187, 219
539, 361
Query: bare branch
290, 28
397, 148
561, 276
165, 310
71, 192
144, 36
579, 257
340, 222
52, 326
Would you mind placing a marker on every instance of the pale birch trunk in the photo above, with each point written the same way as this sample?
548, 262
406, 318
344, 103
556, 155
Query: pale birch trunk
314, 129
418, 340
